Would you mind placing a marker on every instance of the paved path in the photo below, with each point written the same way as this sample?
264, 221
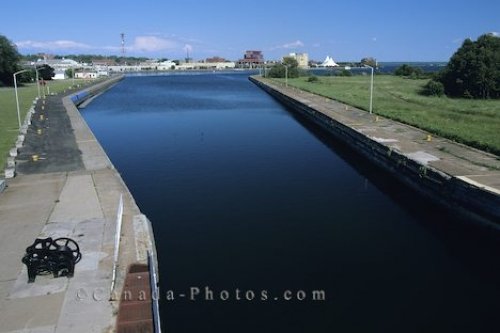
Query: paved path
72, 190
475, 167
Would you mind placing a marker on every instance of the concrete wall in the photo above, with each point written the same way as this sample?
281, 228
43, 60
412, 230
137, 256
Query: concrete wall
85, 94
452, 192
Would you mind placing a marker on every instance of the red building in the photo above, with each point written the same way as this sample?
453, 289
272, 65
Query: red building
251, 59
215, 59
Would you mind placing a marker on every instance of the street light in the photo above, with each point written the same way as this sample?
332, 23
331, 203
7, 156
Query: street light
17, 97
286, 74
37, 81
371, 88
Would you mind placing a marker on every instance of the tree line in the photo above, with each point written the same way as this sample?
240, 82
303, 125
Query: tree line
10, 63
472, 72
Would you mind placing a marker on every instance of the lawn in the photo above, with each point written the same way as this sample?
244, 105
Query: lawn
472, 122
8, 112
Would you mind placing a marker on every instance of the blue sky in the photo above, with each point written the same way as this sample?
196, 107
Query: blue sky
424, 30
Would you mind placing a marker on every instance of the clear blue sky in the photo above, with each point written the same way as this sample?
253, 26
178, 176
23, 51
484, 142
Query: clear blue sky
424, 30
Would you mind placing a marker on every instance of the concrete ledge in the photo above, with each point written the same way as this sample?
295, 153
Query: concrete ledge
89, 93
78, 201
478, 201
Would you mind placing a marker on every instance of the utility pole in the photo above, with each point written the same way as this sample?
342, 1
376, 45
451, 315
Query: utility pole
122, 35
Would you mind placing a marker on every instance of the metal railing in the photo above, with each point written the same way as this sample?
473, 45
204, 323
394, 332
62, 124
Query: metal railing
153, 280
119, 218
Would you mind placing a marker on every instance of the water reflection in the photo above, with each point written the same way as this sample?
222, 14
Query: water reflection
245, 195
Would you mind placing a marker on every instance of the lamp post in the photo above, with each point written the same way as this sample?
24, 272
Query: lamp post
17, 97
371, 88
37, 81
286, 75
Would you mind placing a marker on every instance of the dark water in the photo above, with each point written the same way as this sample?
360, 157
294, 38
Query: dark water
247, 198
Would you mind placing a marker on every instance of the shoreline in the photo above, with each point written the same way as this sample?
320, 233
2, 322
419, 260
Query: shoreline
71, 190
437, 173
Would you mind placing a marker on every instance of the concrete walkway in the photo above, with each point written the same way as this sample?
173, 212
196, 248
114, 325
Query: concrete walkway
73, 191
477, 172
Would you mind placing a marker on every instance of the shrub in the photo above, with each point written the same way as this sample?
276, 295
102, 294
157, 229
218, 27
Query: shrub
345, 72
433, 88
408, 71
312, 78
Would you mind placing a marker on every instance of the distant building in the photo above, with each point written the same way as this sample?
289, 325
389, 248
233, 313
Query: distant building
166, 65
302, 59
251, 59
103, 62
59, 74
57, 63
124, 68
314, 63
155, 65
85, 75
216, 59
206, 65
329, 62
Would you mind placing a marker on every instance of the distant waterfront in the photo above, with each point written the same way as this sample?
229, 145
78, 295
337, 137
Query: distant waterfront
387, 67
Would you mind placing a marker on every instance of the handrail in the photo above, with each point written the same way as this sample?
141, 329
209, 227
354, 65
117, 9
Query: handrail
119, 218
153, 280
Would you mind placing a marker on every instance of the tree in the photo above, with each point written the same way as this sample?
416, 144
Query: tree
45, 72
9, 59
69, 73
279, 70
369, 61
408, 71
345, 72
433, 88
474, 70
27, 77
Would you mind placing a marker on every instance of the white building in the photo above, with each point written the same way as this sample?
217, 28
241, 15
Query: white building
207, 65
166, 65
58, 63
59, 74
328, 62
302, 59
124, 68
85, 75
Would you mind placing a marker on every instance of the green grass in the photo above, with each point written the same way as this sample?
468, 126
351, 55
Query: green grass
472, 122
9, 127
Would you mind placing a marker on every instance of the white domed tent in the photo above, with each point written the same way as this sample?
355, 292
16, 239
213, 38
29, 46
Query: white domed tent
329, 62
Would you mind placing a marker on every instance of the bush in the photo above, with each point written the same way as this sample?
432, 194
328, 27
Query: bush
278, 71
312, 78
409, 71
345, 72
433, 88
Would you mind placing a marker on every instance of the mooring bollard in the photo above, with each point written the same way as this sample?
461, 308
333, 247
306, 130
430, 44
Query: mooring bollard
11, 162
9, 172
